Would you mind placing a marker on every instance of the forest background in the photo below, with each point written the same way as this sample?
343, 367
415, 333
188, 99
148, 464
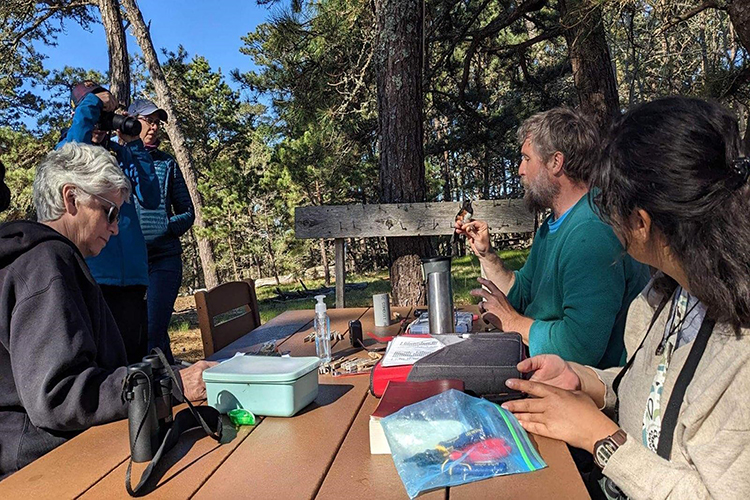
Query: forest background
319, 122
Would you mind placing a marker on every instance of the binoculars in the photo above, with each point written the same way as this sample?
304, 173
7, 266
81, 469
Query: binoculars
148, 391
126, 124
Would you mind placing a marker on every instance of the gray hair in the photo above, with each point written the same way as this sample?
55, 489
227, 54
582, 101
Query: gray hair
91, 168
568, 131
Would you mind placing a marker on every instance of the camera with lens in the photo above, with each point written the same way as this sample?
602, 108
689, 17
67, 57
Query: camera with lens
148, 391
128, 125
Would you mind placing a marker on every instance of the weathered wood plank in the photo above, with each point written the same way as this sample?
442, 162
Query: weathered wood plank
182, 470
279, 328
75, 466
340, 272
290, 457
412, 219
356, 474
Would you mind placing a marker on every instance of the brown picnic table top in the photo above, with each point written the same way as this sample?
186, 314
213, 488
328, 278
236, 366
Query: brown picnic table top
322, 452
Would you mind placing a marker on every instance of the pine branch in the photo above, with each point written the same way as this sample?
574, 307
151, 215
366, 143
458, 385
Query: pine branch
708, 4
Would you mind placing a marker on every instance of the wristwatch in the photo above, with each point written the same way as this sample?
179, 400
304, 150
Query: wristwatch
604, 448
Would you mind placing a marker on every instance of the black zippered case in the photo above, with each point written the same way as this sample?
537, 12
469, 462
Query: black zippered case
483, 362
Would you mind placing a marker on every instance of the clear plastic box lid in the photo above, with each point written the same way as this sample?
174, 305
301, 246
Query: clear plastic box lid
249, 369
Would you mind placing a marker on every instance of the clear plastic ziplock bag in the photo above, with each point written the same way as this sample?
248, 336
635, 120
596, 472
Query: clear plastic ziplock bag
454, 438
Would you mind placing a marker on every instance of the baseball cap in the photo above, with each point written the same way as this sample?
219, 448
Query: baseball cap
81, 90
144, 107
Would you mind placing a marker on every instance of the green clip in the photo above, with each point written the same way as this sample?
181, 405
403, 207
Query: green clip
240, 416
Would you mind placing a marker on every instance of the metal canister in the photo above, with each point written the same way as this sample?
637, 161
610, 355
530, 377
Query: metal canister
437, 273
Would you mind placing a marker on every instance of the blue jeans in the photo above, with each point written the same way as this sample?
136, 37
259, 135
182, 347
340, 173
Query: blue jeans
165, 277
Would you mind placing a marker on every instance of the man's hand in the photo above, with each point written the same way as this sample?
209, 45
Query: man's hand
193, 386
569, 416
478, 234
497, 310
108, 100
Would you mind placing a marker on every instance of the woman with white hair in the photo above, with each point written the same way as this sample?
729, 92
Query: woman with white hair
62, 359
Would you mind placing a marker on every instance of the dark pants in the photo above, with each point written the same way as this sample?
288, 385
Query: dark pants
165, 277
128, 306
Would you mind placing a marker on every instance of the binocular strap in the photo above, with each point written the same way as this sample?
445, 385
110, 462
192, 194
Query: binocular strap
184, 421
206, 417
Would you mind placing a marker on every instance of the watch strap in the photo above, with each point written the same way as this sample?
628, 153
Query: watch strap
619, 437
605, 448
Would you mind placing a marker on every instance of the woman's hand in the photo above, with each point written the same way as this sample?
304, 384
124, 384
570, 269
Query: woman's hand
193, 386
569, 416
551, 370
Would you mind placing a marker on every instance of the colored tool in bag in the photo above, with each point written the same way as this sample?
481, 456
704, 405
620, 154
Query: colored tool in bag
148, 391
452, 438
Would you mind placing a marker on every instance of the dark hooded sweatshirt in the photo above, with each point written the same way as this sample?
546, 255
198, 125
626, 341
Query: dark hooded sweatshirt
62, 360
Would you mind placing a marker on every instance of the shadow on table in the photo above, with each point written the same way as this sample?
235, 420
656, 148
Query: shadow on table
180, 450
327, 394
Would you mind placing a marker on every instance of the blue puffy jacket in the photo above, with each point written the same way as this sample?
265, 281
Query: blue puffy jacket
163, 227
124, 261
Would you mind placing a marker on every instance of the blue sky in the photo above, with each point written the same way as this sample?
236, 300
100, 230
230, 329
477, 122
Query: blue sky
211, 28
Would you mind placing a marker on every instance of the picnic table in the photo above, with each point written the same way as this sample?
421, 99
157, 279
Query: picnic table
322, 452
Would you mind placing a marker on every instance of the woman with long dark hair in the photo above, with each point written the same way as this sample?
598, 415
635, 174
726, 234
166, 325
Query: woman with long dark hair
676, 423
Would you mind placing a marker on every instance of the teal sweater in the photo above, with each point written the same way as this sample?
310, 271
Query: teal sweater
577, 285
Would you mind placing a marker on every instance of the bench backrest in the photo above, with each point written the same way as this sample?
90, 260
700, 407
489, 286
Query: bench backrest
218, 332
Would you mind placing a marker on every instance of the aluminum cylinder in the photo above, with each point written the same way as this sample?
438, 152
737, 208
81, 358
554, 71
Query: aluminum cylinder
381, 306
439, 295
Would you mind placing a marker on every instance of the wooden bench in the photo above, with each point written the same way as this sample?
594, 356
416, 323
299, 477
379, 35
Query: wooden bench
338, 222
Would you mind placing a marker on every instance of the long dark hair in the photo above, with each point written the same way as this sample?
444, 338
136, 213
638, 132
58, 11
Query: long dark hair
680, 160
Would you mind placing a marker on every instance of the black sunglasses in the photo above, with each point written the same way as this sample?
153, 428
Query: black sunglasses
110, 208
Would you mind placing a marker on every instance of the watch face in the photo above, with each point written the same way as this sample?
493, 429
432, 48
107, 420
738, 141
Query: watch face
603, 452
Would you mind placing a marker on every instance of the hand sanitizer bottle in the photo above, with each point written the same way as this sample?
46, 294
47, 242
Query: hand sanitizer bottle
322, 330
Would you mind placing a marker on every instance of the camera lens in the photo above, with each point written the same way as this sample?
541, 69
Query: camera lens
126, 124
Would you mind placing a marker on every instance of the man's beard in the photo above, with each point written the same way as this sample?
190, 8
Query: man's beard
540, 193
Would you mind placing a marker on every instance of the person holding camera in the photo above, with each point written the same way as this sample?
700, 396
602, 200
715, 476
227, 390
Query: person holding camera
62, 362
162, 227
121, 269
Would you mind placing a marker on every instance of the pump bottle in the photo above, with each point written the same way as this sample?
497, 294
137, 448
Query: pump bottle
322, 330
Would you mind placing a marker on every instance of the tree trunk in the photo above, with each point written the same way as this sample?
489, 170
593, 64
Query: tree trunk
324, 262
323, 254
589, 56
117, 46
176, 136
402, 173
233, 257
739, 15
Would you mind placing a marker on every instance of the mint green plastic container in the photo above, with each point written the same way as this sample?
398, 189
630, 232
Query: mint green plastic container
265, 385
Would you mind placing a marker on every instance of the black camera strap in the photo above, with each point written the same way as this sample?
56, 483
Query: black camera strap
671, 413
190, 418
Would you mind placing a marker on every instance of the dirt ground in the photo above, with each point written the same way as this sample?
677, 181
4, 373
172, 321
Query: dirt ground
184, 333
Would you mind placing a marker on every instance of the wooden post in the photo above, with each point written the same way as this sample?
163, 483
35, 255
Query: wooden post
340, 272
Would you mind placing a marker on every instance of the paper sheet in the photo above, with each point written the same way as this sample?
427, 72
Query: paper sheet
409, 350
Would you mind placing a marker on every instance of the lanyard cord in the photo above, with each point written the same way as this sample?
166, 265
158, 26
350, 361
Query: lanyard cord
669, 420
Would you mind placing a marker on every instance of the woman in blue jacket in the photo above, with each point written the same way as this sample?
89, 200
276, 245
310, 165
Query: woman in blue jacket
121, 269
162, 227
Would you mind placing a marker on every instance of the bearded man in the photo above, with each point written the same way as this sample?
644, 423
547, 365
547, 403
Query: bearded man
571, 296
